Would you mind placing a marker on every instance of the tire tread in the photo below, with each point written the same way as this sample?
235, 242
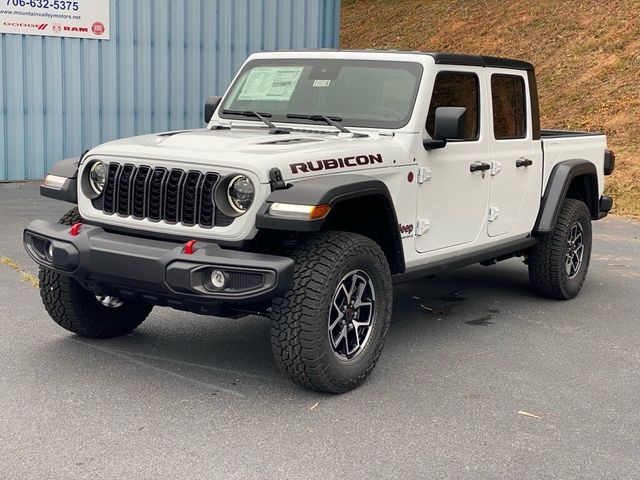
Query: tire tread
77, 310
296, 334
547, 259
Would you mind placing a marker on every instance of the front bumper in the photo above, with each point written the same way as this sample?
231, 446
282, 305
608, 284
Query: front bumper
157, 271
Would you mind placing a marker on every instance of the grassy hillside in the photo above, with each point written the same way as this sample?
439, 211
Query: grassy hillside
587, 56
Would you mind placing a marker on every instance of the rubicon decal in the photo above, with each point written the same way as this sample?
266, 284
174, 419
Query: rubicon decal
331, 163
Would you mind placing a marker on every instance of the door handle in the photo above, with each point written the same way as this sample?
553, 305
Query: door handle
523, 162
479, 167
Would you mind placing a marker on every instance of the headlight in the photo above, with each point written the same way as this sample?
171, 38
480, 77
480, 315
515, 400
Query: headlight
240, 193
97, 177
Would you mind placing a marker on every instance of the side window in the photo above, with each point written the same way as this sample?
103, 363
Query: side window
509, 112
452, 89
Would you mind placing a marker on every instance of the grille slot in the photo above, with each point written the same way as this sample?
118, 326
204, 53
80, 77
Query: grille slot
139, 192
190, 198
172, 196
124, 190
158, 194
110, 188
207, 208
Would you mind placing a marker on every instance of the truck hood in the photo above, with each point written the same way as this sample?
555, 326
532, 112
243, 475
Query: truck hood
298, 154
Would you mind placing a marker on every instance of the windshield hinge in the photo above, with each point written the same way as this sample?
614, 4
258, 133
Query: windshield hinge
219, 125
424, 174
275, 179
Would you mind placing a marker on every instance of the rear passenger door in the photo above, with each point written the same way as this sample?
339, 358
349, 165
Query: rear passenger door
516, 172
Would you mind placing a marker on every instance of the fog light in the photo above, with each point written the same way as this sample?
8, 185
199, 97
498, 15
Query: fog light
50, 252
218, 279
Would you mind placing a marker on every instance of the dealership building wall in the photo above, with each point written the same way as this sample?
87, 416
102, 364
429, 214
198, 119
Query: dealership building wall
61, 96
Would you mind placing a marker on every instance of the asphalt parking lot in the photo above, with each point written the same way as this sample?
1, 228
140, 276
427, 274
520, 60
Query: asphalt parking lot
479, 379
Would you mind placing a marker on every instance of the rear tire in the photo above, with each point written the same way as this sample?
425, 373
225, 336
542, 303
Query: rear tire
328, 331
558, 264
79, 310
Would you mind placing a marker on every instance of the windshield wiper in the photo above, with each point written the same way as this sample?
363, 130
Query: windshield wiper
262, 116
333, 121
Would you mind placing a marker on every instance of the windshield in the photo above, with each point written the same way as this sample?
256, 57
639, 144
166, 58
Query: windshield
361, 93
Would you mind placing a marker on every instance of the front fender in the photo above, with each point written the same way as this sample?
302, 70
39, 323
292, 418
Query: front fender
342, 191
61, 183
330, 190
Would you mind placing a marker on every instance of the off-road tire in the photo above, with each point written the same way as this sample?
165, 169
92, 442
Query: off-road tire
547, 267
78, 310
299, 318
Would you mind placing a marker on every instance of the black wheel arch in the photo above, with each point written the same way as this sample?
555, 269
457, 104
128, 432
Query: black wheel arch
67, 168
359, 204
577, 179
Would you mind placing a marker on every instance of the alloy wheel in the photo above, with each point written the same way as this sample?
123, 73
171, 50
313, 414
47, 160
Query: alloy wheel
351, 316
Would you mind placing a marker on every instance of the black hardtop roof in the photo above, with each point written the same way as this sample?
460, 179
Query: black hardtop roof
444, 58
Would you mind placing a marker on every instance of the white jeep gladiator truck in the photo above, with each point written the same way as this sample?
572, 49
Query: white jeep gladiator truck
321, 179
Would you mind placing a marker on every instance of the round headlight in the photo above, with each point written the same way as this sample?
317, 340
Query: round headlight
97, 177
240, 193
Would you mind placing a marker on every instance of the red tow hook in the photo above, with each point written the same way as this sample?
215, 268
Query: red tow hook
75, 229
189, 247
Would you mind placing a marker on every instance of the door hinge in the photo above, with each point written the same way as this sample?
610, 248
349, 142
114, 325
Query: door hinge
494, 213
496, 167
422, 225
424, 174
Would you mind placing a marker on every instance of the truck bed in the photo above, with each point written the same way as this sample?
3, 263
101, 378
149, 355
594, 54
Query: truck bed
562, 145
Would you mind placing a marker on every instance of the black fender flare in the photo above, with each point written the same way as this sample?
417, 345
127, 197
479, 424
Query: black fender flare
67, 168
330, 190
557, 188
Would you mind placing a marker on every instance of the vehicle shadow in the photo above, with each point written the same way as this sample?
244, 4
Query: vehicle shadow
235, 355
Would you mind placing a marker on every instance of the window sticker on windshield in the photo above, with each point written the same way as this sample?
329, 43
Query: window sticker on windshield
321, 83
271, 83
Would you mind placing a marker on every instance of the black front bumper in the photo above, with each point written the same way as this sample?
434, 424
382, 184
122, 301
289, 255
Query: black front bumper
157, 271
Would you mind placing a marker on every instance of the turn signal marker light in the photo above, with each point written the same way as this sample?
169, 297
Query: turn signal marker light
319, 211
299, 212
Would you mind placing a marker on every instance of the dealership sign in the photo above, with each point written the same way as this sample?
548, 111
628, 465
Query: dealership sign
56, 18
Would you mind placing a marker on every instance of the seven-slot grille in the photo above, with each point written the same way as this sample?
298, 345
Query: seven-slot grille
172, 195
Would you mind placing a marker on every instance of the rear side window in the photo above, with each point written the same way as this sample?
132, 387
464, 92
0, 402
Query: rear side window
453, 89
509, 112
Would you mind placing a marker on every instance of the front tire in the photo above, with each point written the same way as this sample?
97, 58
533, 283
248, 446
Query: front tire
80, 311
558, 264
328, 331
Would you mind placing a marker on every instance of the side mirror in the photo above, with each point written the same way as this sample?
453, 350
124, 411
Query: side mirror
210, 107
449, 125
